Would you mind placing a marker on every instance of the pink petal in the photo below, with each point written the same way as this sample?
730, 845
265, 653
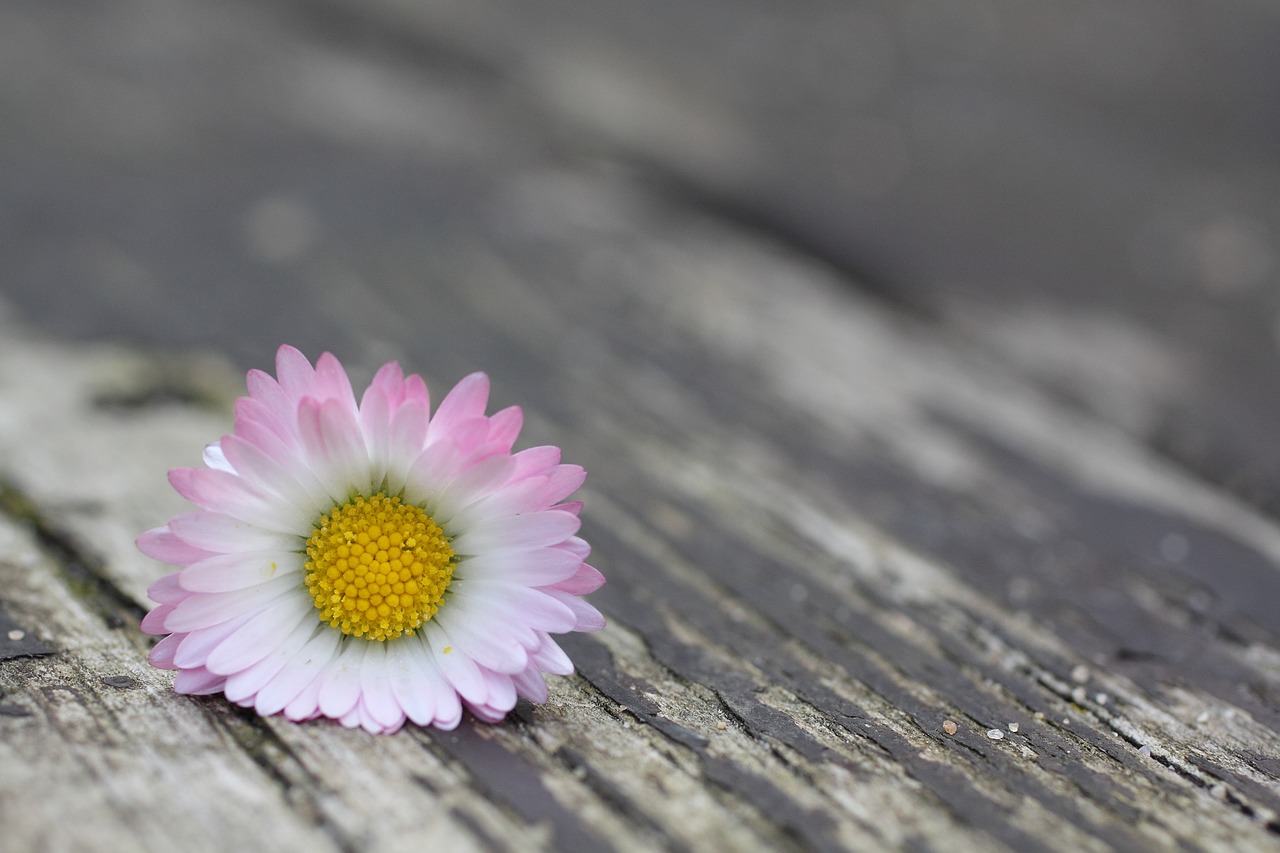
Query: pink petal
415, 390
502, 693
375, 423
266, 425
563, 481
467, 400
220, 492
295, 374
167, 590
332, 382
197, 682
587, 579
511, 499
267, 476
332, 436
286, 451
405, 442
153, 622
504, 428
536, 461
387, 385
161, 544
161, 656
587, 617
485, 714
468, 435
531, 685
267, 393
576, 546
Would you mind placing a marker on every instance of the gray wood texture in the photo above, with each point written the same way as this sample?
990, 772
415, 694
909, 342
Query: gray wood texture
920, 358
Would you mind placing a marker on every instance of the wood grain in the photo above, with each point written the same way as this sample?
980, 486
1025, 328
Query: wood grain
833, 516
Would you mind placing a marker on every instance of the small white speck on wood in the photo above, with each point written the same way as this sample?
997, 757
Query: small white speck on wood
995, 734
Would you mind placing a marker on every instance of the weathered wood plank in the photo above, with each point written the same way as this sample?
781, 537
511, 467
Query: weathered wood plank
753, 582
1068, 185
828, 526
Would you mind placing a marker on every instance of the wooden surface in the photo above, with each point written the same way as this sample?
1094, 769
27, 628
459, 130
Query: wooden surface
923, 367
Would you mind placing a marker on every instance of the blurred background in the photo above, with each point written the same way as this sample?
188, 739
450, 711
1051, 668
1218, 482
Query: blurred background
1089, 190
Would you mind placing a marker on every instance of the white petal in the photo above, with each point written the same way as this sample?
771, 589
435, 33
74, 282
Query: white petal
215, 458
266, 475
473, 484
375, 688
203, 611
502, 693
519, 532
413, 676
223, 534
535, 608
303, 669
340, 689
248, 682
230, 572
512, 499
490, 644
542, 567
459, 669
194, 649
551, 658
260, 636
306, 705
431, 471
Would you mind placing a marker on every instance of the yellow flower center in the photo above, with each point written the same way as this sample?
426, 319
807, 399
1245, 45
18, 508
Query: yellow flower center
378, 568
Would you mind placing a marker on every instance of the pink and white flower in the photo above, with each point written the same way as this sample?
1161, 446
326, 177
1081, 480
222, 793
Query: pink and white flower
370, 562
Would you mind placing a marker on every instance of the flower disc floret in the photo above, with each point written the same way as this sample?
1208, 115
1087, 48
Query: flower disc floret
378, 568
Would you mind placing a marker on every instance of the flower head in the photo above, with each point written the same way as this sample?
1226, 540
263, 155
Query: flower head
370, 562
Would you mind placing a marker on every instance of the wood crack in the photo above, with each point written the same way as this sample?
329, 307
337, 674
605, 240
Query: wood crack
82, 571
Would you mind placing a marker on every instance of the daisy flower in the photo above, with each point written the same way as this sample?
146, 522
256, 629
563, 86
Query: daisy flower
370, 562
